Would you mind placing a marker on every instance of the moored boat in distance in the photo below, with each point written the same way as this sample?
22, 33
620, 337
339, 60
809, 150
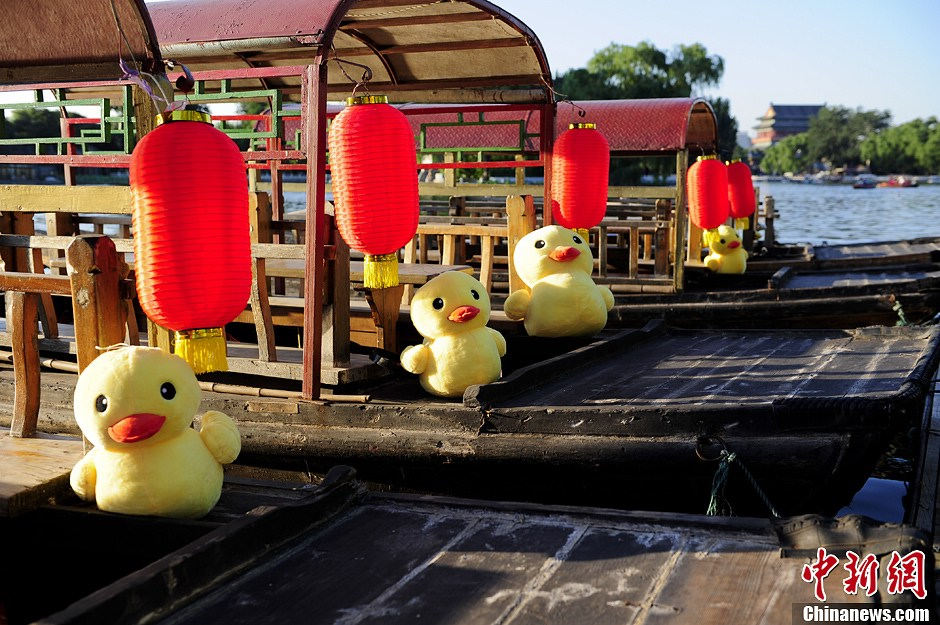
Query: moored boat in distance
865, 181
898, 181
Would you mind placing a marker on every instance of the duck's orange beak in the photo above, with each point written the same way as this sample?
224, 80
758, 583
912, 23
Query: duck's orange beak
136, 427
462, 314
564, 254
734, 244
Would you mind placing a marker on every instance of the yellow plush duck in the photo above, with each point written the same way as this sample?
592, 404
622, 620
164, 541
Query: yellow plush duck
451, 312
561, 298
135, 404
726, 254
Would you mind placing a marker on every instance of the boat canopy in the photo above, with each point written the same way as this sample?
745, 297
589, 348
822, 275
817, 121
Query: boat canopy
642, 126
632, 127
50, 41
427, 50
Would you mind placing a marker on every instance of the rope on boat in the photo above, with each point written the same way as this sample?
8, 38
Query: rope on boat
902, 320
719, 481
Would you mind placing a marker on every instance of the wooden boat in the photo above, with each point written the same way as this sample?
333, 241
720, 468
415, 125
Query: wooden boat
794, 298
612, 422
845, 255
897, 182
333, 553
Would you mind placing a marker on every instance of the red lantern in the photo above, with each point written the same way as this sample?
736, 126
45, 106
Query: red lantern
580, 169
375, 184
741, 193
192, 248
708, 192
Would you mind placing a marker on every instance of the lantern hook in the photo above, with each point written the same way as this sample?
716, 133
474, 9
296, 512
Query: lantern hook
366, 71
157, 86
564, 98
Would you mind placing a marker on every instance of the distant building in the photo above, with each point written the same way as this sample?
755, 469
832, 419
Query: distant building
783, 120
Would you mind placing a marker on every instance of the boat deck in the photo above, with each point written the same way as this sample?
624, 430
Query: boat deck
341, 557
34, 469
913, 250
684, 371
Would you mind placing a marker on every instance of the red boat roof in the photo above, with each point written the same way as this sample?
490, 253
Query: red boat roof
52, 41
660, 125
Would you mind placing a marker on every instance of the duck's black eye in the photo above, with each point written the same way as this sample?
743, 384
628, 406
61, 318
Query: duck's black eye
167, 391
474, 293
438, 303
577, 239
101, 403
539, 244
722, 241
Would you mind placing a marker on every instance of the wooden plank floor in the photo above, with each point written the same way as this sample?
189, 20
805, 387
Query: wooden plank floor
34, 469
858, 278
398, 560
681, 368
913, 247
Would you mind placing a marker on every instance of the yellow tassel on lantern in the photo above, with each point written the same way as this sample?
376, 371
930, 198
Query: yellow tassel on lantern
380, 271
585, 233
203, 349
742, 223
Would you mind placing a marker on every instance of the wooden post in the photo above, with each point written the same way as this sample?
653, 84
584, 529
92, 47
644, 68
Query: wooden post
385, 305
277, 202
634, 257
334, 349
96, 301
261, 311
770, 237
259, 217
7, 256
661, 264
681, 217
695, 245
31, 260
313, 107
520, 221
457, 207
520, 171
750, 233
450, 175
547, 143
486, 262
410, 255
21, 323
602, 250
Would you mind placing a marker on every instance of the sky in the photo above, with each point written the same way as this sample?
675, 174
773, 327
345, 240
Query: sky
874, 55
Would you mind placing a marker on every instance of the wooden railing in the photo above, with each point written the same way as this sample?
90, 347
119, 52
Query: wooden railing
99, 306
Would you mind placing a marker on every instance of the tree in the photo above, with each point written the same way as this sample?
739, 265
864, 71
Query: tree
931, 152
836, 133
727, 129
33, 122
911, 148
791, 154
644, 71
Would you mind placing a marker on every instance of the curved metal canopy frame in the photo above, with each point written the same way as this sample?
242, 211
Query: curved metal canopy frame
51, 41
418, 50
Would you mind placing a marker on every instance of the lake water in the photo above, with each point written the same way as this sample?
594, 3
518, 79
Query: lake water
836, 213
817, 213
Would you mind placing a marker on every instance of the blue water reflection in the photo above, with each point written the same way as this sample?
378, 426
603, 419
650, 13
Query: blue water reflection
879, 499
